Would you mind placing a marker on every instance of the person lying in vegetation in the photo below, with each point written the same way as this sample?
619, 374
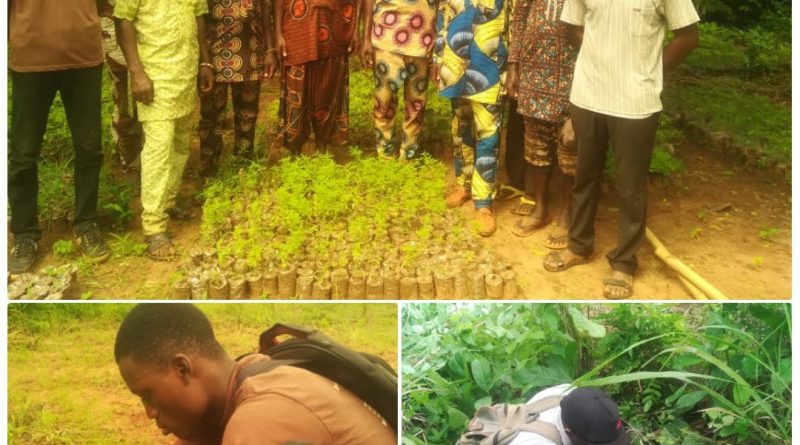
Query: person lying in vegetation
168, 356
561, 415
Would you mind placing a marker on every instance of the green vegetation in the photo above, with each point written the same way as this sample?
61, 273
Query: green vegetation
313, 208
63, 249
64, 387
738, 82
682, 374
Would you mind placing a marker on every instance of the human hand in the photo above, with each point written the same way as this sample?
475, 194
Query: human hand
280, 48
270, 65
512, 80
435, 71
205, 79
367, 54
141, 87
352, 48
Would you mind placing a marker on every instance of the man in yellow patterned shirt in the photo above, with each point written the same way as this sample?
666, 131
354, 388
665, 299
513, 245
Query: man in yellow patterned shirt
162, 41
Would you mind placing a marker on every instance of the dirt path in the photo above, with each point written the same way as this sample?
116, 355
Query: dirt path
723, 246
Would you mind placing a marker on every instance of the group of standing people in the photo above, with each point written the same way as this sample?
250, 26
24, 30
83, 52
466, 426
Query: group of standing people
580, 75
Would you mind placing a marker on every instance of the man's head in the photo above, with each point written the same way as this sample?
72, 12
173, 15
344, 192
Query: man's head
168, 356
591, 417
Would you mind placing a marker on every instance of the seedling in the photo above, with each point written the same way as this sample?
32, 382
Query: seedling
63, 249
768, 234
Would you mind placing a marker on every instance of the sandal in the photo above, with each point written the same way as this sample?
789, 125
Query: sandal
160, 248
558, 239
615, 288
528, 225
553, 262
524, 207
508, 192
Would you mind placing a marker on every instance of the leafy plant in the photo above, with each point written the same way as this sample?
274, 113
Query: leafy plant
63, 249
681, 373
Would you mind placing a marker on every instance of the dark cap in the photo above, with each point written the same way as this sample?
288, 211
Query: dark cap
593, 416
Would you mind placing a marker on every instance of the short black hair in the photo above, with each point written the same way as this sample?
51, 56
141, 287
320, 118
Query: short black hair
153, 333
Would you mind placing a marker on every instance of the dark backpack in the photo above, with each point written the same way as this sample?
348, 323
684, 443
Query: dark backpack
365, 375
500, 424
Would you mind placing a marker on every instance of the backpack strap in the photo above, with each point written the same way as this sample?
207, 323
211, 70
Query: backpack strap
540, 427
544, 429
542, 405
260, 367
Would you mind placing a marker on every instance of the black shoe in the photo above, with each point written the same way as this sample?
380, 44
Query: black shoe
91, 242
23, 255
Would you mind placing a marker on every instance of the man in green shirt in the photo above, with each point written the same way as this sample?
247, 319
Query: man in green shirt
164, 43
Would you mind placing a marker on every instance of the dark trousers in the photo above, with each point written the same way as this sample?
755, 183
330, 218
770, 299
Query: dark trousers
515, 148
32, 95
245, 96
632, 141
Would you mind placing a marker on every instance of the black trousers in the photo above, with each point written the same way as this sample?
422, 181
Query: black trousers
515, 148
32, 95
632, 141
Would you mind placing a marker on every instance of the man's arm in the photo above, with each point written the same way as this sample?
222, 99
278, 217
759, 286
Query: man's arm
141, 85
367, 51
277, 19
205, 77
270, 59
355, 42
684, 41
575, 34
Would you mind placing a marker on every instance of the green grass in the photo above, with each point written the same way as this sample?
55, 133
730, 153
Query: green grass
726, 104
64, 387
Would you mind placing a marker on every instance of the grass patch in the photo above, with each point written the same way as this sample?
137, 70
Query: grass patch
65, 389
725, 104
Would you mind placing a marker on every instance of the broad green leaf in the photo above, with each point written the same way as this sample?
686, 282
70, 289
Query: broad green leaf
688, 401
482, 374
456, 419
586, 326
485, 401
741, 394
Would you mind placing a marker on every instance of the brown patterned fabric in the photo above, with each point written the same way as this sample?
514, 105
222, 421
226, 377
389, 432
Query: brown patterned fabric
317, 29
315, 96
545, 58
236, 39
543, 146
212, 120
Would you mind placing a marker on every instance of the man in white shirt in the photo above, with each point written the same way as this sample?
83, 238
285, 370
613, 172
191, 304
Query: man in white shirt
616, 101
585, 416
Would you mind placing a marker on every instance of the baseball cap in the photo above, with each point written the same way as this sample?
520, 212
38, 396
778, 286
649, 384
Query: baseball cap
594, 417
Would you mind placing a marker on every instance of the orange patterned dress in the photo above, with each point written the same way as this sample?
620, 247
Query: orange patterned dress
317, 29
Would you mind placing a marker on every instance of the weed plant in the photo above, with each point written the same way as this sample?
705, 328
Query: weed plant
682, 374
